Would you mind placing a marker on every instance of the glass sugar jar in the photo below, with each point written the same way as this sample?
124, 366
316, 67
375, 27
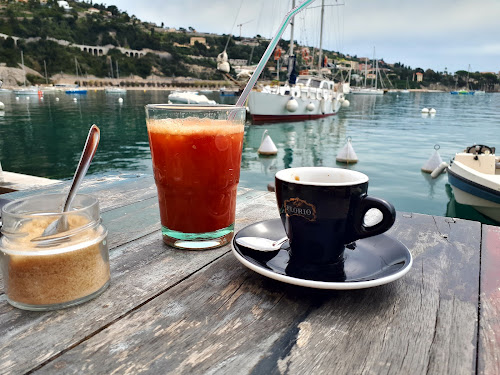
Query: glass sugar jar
58, 271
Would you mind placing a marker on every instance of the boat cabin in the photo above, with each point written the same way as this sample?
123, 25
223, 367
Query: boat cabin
315, 82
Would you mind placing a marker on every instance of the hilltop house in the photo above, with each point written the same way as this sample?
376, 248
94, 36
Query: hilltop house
64, 4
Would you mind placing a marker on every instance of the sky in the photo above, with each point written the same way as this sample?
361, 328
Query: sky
442, 35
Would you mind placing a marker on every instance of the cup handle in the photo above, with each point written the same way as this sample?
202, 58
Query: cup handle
388, 217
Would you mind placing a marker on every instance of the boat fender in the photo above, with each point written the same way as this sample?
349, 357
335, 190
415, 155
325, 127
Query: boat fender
347, 154
433, 162
292, 105
346, 103
323, 106
319, 94
439, 169
310, 107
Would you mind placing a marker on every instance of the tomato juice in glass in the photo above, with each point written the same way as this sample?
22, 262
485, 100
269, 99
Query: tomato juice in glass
196, 155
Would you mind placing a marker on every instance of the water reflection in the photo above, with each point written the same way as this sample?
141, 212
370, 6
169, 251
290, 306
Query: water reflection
455, 209
391, 139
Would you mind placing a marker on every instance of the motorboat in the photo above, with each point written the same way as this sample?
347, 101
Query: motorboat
366, 91
189, 97
474, 175
115, 90
310, 98
76, 90
32, 90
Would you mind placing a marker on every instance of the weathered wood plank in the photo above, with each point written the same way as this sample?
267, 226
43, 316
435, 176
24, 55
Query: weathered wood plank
140, 270
112, 191
489, 321
226, 319
129, 206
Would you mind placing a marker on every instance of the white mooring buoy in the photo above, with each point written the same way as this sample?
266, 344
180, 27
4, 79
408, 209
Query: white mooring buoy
75, 99
425, 110
439, 169
57, 99
2, 106
120, 100
433, 162
432, 110
267, 146
346, 103
347, 154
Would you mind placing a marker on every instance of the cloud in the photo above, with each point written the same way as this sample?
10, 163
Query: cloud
428, 33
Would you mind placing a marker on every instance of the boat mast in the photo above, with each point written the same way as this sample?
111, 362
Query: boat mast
376, 68
45, 67
320, 55
24, 71
366, 69
292, 26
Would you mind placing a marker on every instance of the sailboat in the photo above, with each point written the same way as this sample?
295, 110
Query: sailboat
303, 97
369, 90
115, 89
32, 90
77, 89
407, 90
464, 91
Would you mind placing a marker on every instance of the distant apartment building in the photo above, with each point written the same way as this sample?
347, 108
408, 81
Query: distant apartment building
354, 65
420, 76
93, 11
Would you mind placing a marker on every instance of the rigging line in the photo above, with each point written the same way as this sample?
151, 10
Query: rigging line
234, 24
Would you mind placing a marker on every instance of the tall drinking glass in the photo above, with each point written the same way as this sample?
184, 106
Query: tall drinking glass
196, 154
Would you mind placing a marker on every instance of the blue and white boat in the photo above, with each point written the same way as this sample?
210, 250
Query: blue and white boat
474, 176
77, 90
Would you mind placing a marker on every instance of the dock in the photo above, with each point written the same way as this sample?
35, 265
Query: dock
11, 182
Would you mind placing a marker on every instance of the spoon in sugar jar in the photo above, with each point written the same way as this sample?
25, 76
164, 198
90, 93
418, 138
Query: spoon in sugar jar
61, 225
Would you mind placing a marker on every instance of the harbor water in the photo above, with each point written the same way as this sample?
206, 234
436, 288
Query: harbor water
392, 139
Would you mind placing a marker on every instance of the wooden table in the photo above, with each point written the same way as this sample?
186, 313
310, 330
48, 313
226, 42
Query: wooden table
173, 311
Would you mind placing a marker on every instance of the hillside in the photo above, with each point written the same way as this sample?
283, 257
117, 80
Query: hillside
103, 38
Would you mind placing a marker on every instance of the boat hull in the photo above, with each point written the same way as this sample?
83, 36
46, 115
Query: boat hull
80, 92
272, 107
469, 188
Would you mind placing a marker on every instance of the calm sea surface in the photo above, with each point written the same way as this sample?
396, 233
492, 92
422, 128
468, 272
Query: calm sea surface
392, 140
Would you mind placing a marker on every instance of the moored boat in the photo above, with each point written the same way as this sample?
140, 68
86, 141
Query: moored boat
189, 97
32, 90
115, 90
310, 98
304, 96
475, 178
76, 90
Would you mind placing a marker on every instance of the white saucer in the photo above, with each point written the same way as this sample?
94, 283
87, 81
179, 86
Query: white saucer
374, 261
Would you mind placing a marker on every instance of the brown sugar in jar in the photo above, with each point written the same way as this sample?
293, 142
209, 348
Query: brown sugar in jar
64, 270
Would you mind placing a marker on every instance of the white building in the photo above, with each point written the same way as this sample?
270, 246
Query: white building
64, 5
